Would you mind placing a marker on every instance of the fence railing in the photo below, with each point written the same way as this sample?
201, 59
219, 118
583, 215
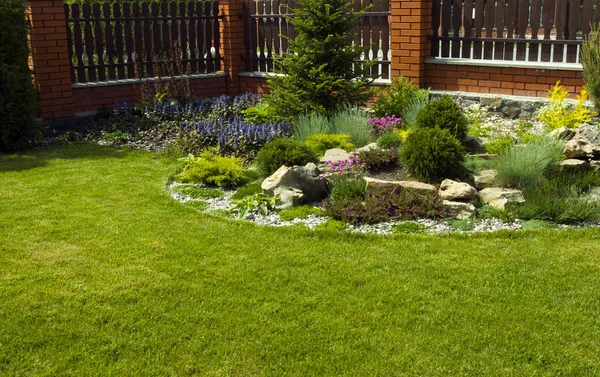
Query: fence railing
266, 26
513, 30
126, 40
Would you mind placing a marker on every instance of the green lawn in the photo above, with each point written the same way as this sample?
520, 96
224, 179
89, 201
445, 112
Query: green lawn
102, 273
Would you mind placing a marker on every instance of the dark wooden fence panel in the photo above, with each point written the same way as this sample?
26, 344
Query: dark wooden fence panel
266, 29
516, 30
126, 40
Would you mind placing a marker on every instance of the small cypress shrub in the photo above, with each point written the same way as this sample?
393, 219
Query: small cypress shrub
18, 106
432, 154
283, 151
320, 143
444, 113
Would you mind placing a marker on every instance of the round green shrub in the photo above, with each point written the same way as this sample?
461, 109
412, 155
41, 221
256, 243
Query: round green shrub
320, 143
432, 154
388, 141
444, 113
283, 151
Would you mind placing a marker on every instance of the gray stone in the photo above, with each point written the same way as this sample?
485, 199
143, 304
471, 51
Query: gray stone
367, 147
288, 197
574, 165
595, 165
498, 197
456, 191
563, 133
303, 178
474, 144
423, 189
594, 193
335, 155
484, 178
579, 148
511, 112
591, 132
462, 211
494, 103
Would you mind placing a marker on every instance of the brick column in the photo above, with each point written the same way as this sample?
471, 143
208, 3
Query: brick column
50, 58
232, 46
410, 28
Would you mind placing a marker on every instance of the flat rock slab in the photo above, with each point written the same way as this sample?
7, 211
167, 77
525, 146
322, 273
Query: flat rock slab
498, 197
574, 165
462, 211
424, 189
484, 178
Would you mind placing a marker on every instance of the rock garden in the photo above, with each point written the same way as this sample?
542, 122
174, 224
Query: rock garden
409, 164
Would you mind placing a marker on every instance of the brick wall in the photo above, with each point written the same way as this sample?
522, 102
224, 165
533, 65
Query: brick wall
528, 82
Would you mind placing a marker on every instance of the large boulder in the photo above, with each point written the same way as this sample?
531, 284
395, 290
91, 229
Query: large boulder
456, 191
367, 147
423, 189
288, 197
498, 197
462, 211
564, 133
303, 178
484, 178
579, 148
335, 155
591, 132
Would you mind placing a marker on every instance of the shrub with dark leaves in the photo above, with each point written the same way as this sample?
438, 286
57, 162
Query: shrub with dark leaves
385, 206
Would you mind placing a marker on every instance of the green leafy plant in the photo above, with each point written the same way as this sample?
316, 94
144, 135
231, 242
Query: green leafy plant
408, 227
18, 106
300, 212
320, 73
444, 113
305, 126
354, 122
210, 169
499, 145
283, 151
261, 202
247, 190
349, 188
476, 163
261, 113
522, 165
590, 60
395, 99
388, 141
320, 143
432, 154
558, 113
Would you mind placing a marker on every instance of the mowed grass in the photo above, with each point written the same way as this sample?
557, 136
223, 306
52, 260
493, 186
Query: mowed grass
102, 273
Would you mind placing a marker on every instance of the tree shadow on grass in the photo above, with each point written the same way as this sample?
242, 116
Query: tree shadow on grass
37, 158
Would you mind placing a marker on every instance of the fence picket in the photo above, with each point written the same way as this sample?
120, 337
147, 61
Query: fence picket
109, 43
479, 11
119, 41
467, 25
510, 28
78, 40
89, 46
535, 12
489, 28
500, 24
446, 17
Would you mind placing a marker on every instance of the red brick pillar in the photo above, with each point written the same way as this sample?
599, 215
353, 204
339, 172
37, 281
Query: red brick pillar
50, 58
232, 43
410, 28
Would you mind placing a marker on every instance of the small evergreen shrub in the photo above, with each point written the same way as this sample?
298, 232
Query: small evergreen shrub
558, 114
354, 122
18, 107
378, 159
210, 169
284, 151
385, 206
522, 165
590, 60
388, 141
432, 154
320, 143
444, 113
396, 98
247, 190
408, 227
299, 212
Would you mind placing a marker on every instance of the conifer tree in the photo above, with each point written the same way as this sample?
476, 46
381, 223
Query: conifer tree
319, 74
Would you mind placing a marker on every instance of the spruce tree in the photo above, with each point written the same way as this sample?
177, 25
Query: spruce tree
319, 74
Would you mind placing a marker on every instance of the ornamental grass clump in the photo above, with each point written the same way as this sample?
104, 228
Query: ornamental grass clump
590, 60
354, 122
305, 126
523, 165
